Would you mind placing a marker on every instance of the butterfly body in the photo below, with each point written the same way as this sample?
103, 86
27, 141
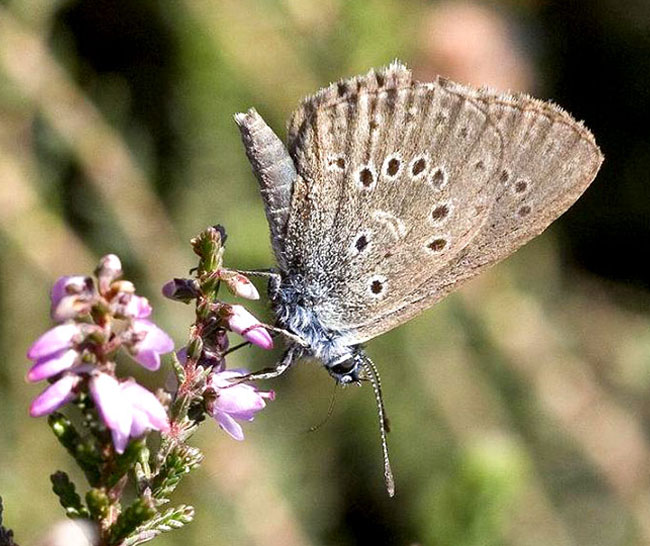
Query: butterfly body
295, 310
391, 193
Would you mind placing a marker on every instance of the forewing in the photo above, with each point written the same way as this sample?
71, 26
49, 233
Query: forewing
549, 160
394, 181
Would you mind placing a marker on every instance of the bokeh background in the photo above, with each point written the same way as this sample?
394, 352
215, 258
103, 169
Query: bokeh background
520, 405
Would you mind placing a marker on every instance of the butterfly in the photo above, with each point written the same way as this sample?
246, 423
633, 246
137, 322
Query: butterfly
391, 193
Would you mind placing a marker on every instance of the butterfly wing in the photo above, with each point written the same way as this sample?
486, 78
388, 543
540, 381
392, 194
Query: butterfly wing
407, 189
275, 172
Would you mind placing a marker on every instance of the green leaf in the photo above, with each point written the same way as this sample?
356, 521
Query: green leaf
180, 460
140, 512
174, 518
179, 370
68, 497
98, 503
84, 451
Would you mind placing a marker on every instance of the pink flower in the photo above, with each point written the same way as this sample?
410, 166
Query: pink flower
127, 409
243, 323
108, 270
152, 344
54, 340
148, 412
138, 307
241, 286
56, 395
71, 296
240, 401
52, 364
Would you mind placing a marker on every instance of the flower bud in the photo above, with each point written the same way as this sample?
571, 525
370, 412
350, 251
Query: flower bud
137, 307
243, 323
71, 296
184, 290
56, 395
241, 286
108, 270
54, 340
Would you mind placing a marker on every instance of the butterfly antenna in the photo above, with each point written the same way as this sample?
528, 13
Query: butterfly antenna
384, 426
330, 410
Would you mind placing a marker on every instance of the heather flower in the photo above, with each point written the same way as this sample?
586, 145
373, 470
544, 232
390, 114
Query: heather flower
235, 402
53, 341
108, 270
52, 365
148, 413
56, 395
137, 307
151, 344
241, 286
243, 323
184, 290
71, 296
127, 409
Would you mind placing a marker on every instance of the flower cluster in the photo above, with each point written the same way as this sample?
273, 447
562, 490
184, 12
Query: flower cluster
95, 320
225, 399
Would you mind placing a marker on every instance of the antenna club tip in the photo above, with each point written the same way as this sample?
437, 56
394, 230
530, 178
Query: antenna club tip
390, 488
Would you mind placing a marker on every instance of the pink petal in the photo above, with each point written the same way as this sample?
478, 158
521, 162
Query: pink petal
240, 399
52, 365
55, 396
240, 319
156, 342
145, 402
138, 307
58, 338
241, 286
69, 285
120, 440
231, 426
244, 323
114, 410
260, 337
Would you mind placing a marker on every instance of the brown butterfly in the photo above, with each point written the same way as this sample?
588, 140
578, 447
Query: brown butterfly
391, 193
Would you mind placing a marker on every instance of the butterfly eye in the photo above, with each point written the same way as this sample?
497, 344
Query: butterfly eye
344, 368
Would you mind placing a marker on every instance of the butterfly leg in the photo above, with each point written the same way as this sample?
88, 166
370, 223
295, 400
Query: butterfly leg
290, 336
287, 360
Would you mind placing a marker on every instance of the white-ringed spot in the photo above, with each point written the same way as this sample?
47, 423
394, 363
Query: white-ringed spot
366, 177
438, 178
393, 165
377, 286
437, 244
441, 213
418, 167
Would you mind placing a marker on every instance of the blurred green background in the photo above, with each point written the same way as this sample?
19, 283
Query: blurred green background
520, 405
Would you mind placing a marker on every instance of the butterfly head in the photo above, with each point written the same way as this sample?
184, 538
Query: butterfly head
348, 368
